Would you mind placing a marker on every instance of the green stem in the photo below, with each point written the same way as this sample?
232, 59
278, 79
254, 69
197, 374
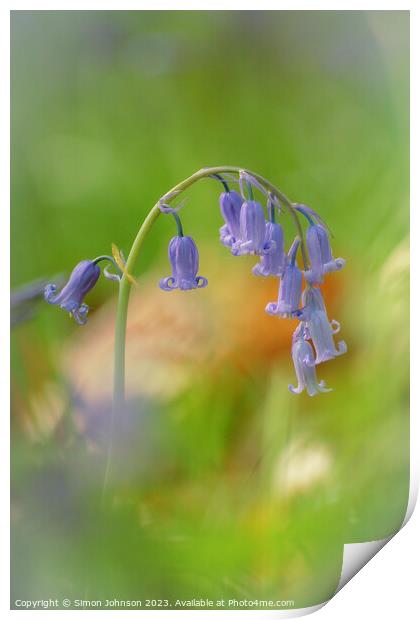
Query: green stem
122, 310
178, 224
125, 285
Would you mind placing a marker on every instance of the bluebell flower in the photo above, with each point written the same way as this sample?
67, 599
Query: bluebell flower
230, 206
252, 239
290, 287
319, 250
82, 279
304, 362
272, 263
183, 256
319, 328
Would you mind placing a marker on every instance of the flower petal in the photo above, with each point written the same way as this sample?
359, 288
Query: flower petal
167, 284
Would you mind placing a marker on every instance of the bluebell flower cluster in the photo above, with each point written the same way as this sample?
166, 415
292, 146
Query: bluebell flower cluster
313, 340
248, 229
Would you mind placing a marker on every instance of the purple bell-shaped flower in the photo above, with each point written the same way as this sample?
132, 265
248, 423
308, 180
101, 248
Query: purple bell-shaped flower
272, 263
319, 250
82, 279
290, 287
304, 362
230, 206
183, 256
252, 238
319, 328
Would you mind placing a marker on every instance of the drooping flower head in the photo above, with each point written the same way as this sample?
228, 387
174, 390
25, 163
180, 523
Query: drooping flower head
183, 256
304, 363
290, 287
319, 328
319, 250
272, 263
82, 279
252, 239
245, 231
230, 206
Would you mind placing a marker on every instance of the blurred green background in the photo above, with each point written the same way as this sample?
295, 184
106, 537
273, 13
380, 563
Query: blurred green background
226, 485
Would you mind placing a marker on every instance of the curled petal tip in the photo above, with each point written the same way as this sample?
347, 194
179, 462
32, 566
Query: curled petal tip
271, 308
201, 282
318, 388
167, 284
80, 314
335, 265
342, 347
335, 326
322, 387
295, 390
49, 291
225, 237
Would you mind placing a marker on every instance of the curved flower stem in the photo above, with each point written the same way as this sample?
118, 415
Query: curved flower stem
125, 285
122, 310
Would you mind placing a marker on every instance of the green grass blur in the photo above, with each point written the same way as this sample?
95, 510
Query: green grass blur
231, 487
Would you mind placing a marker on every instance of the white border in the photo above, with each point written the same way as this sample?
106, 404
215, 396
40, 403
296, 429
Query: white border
380, 588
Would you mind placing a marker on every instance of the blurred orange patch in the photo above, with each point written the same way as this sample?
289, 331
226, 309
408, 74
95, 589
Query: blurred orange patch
173, 336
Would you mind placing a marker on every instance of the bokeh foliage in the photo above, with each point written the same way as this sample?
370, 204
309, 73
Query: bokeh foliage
232, 487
